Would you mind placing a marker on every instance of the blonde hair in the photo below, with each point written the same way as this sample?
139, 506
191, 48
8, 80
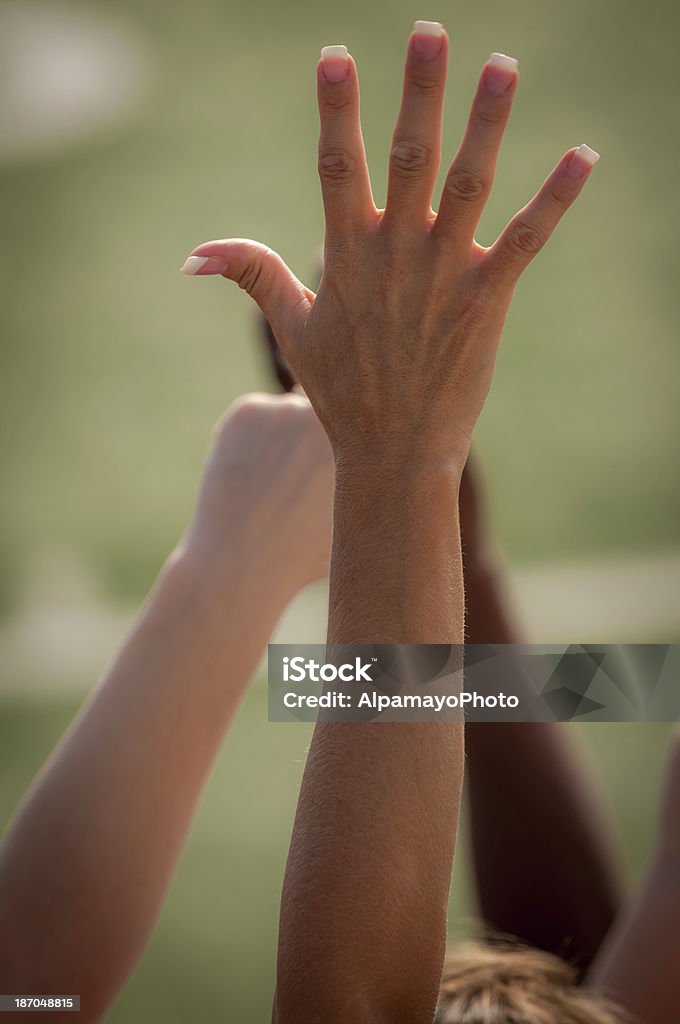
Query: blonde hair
506, 983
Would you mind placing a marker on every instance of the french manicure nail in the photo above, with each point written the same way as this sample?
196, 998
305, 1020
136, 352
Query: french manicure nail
335, 60
500, 73
427, 39
582, 159
193, 264
204, 265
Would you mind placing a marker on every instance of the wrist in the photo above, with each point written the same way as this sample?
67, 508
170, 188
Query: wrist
378, 463
419, 435
237, 576
397, 497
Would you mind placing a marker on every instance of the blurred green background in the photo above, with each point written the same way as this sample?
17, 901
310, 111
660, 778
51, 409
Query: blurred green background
114, 368
132, 131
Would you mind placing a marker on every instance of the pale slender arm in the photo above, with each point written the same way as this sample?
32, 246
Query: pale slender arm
87, 861
86, 864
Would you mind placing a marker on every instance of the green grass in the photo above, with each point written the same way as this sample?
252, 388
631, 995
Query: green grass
212, 955
114, 368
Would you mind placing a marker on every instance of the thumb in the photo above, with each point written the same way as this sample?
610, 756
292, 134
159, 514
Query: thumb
261, 272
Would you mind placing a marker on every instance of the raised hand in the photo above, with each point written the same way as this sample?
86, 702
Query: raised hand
400, 340
266, 495
396, 353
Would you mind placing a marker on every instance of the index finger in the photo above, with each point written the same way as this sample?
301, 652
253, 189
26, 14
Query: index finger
343, 171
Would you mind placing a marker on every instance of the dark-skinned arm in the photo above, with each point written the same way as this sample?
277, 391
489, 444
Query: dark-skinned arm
542, 848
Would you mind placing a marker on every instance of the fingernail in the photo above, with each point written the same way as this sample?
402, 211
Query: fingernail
582, 159
204, 265
335, 61
500, 73
427, 39
193, 264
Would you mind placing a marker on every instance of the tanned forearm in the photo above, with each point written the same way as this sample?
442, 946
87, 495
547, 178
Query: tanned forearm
396, 570
363, 919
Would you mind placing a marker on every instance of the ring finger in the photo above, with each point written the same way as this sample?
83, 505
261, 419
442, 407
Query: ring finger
471, 174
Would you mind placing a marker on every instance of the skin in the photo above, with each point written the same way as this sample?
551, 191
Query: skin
556, 885
396, 352
543, 850
638, 963
85, 865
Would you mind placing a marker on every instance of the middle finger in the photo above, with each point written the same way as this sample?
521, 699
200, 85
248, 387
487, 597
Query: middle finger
416, 143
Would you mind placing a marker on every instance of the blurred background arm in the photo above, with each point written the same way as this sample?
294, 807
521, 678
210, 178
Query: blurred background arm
85, 865
543, 852
638, 965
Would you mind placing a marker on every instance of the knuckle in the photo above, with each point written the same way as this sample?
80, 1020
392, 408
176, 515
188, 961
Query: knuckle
466, 185
409, 158
296, 406
491, 111
337, 166
341, 254
423, 82
243, 413
561, 194
336, 100
252, 274
525, 239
